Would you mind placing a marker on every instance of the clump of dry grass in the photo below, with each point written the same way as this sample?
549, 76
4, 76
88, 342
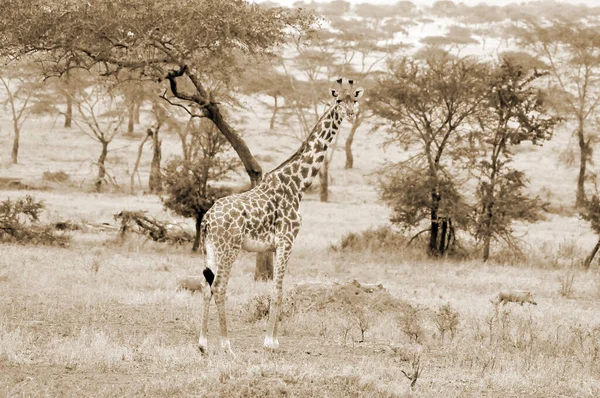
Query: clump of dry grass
410, 324
55, 176
566, 284
382, 238
446, 320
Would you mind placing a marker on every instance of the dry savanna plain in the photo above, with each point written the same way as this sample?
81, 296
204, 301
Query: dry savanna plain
104, 318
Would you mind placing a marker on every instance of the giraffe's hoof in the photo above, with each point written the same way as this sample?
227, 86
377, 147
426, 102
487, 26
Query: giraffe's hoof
203, 346
226, 346
271, 344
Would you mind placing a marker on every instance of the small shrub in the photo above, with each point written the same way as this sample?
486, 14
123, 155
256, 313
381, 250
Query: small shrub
383, 238
446, 320
362, 317
257, 308
410, 324
19, 223
55, 176
566, 284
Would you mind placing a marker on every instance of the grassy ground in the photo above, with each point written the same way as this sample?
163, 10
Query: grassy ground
99, 319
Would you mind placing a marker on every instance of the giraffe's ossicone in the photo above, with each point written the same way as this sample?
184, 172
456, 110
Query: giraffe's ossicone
267, 217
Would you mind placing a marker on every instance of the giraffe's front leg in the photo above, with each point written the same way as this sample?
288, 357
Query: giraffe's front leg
282, 255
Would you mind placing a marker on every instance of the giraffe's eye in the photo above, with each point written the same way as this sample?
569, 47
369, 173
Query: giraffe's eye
338, 101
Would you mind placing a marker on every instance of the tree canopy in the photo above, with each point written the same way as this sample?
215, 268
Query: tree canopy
199, 46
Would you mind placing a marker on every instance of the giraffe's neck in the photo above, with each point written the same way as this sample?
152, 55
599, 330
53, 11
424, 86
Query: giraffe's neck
298, 172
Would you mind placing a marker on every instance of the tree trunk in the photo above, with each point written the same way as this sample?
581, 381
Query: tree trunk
237, 142
275, 109
239, 145
15, 147
264, 266
137, 162
584, 150
583, 159
130, 117
349, 156
487, 225
196, 244
590, 258
69, 112
155, 180
443, 235
324, 180
350, 140
433, 234
450, 242
136, 111
101, 166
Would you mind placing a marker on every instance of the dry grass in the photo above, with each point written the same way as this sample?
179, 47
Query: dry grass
103, 320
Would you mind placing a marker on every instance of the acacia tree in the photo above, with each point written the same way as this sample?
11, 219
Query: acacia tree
360, 51
265, 80
25, 95
100, 115
513, 112
572, 51
426, 106
189, 44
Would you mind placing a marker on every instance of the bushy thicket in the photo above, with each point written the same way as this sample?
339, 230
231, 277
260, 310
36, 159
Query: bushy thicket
20, 223
382, 238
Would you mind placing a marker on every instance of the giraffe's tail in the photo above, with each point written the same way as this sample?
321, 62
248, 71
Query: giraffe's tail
208, 275
208, 257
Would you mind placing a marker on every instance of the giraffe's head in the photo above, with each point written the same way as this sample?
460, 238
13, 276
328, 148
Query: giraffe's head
347, 98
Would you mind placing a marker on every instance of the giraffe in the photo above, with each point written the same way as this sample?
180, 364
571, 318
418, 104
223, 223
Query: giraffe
266, 218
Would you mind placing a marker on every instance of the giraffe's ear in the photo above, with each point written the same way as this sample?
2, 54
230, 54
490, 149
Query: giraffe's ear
358, 93
334, 93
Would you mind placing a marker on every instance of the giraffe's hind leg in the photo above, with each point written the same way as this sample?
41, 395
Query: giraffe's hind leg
203, 340
219, 288
211, 264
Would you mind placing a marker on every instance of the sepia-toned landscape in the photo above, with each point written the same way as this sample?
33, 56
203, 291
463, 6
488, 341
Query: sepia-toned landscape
448, 242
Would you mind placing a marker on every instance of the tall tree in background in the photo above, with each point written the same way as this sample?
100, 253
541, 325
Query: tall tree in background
310, 71
266, 80
100, 115
360, 52
426, 106
572, 51
513, 112
25, 95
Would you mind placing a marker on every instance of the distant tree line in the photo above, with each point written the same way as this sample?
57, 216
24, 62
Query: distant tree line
103, 65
